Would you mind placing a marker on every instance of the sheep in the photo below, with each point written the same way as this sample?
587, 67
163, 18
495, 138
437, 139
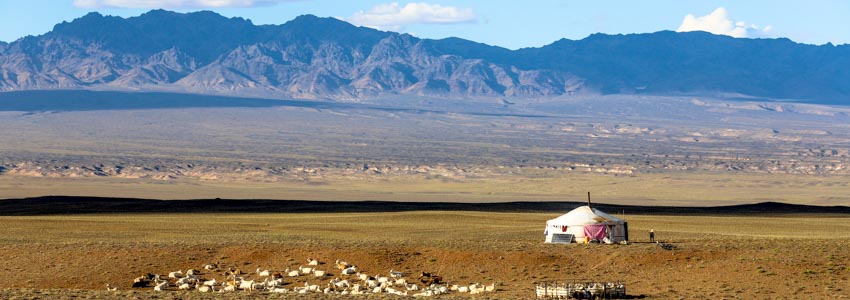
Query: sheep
279, 290
205, 289
382, 279
246, 285
371, 283
160, 286
428, 293
209, 267
400, 282
110, 288
175, 274
412, 287
377, 290
140, 283
398, 293
210, 282
363, 277
357, 292
305, 270
259, 285
490, 288
229, 288
264, 273
342, 265
292, 273
340, 283
463, 289
319, 273
192, 272
185, 286
312, 262
312, 287
349, 271
396, 274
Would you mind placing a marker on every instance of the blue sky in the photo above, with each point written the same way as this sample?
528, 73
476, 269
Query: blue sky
511, 24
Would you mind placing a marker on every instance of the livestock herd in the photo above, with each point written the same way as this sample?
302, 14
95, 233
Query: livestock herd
311, 278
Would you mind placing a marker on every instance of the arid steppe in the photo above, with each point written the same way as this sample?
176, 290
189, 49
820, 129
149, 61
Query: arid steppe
790, 256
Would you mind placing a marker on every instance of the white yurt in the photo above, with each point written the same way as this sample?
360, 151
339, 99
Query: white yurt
586, 222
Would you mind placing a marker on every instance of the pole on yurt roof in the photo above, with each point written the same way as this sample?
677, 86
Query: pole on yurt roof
588, 199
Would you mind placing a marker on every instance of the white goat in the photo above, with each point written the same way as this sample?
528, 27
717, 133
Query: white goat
319, 273
265, 273
312, 262
349, 271
396, 274
246, 285
211, 282
175, 274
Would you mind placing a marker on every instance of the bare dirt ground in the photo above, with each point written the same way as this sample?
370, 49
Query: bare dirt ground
743, 257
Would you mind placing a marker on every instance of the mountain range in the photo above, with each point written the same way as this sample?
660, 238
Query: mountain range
326, 58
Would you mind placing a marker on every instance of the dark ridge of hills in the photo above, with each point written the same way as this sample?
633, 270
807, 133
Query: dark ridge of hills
59, 205
326, 58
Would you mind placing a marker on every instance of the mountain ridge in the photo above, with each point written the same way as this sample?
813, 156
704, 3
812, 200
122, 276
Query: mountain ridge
312, 57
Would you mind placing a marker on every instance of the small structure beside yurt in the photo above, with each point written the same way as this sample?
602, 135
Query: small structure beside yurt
585, 224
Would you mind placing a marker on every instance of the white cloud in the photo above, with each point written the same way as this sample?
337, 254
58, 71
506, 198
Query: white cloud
394, 17
718, 22
172, 3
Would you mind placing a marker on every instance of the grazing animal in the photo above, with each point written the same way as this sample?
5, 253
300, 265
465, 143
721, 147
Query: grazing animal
396, 274
247, 285
319, 273
312, 262
141, 283
185, 286
292, 273
209, 267
110, 288
490, 288
412, 287
342, 264
349, 271
264, 273
192, 272
305, 270
161, 286
175, 274
210, 282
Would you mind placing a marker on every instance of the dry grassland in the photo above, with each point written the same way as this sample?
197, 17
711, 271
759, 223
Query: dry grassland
672, 189
793, 257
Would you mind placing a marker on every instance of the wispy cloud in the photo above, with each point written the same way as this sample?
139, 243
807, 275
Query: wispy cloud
173, 3
718, 22
394, 16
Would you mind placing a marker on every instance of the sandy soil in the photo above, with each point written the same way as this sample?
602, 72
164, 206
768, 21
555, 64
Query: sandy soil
77, 256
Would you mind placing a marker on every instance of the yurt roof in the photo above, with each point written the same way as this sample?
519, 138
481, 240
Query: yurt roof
584, 215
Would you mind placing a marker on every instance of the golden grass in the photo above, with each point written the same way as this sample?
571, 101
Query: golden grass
683, 189
470, 229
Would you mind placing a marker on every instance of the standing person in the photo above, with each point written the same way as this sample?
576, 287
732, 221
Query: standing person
652, 235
